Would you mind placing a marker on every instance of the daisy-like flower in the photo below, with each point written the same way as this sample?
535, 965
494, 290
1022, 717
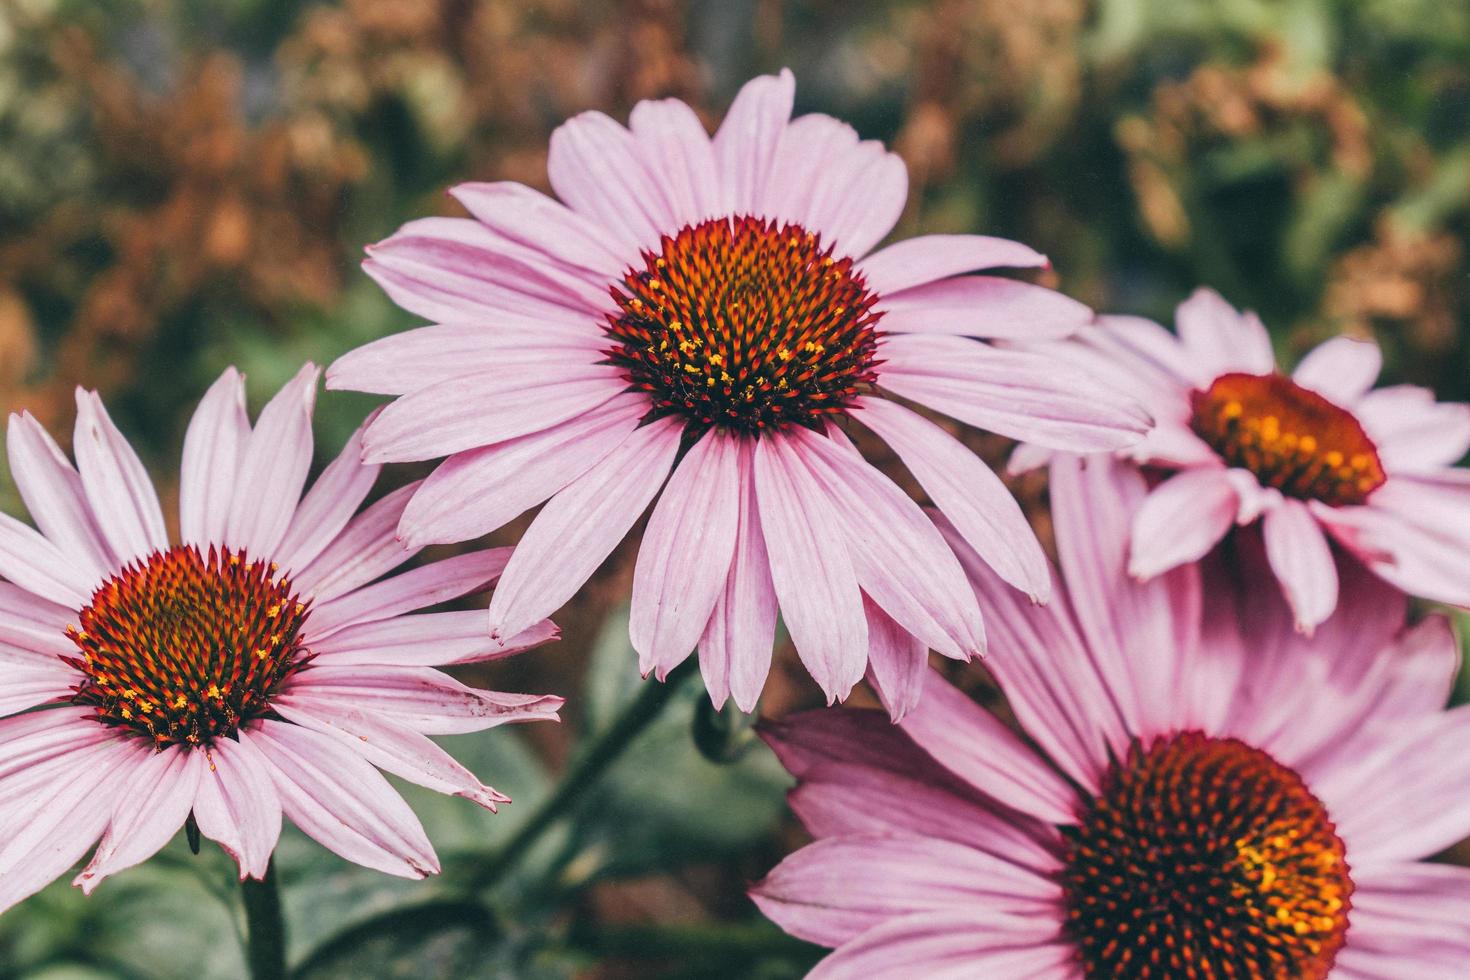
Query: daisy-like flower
1318, 451
709, 307
1204, 792
263, 665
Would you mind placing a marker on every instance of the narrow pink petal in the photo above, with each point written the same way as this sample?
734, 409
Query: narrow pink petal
1423, 559
118, 488
983, 306
427, 585
273, 468
33, 741
900, 558
33, 623
745, 145
391, 747
151, 807
1180, 521
238, 805
338, 799
213, 447
860, 199
330, 503
425, 640
426, 700
477, 491
684, 558
595, 167
36, 565
832, 891
974, 745
23, 687
1413, 431
539, 222
467, 413
897, 662
580, 526
956, 944
365, 550
1411, 919
407, 362
929, 258
967, 491
675, 146
806, 149
1341, 369
811, 567
53, 493
1016, 393
735, 650
1220, 339
1303, 562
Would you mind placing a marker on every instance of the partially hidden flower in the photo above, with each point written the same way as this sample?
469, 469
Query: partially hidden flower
712, 308
1201, 791
1316, 456
268, 663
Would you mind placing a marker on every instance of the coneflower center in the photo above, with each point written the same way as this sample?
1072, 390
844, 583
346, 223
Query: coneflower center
182, 648
746, 324
1204, 857
1291, 438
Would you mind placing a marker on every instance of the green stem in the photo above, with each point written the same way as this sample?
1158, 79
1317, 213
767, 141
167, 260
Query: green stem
265, 929
582, 775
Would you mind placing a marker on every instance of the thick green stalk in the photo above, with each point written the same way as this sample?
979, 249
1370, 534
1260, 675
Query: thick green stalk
265, 928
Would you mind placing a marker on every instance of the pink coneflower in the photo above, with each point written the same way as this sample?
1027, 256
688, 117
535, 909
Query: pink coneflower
1320, 450
1209, 794
261, 666
709, 307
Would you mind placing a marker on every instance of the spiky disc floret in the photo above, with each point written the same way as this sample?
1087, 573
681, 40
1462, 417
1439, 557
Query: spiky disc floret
741, 323
1205, 858
183, 648
1290, 437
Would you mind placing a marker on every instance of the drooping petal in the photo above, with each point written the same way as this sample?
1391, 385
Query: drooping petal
52, 491
151, 807
580, 526
238, 805
897, 662
213, 448
425, 639
1302, 561
984, 306
1341, 369
273, 468
1180, 521
930, 258
425, 700
118, 488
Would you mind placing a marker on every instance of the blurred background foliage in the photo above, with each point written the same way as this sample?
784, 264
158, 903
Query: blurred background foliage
186, 185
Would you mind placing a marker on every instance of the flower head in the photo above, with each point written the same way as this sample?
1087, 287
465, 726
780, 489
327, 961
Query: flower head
1203, 791
712, 308
267, 663
1314, 457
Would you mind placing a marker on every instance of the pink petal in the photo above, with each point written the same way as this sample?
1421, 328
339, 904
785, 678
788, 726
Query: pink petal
860, 199
1341, 369
425, 640
956, 944
338, 799
971, 743
675, 146
151, 807
745, 145
1409, 919
968, 493
477, 491
38, 566
900, 559
1012, 392
539, 222
390, 746
832, 891
897, 662
595, 167
580, 526
1180, 521
365, 550
929, 258
23, 687
238, 805
213, 447
273, 468
983, 306
41, 739
118, 488
425, 700
811, 567
1412, 430
1303, 562
34, 624
330, 503
406, 362
806, 150
52, 492
467, 413
684, 558
418, 588
735, 650
1221, 339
